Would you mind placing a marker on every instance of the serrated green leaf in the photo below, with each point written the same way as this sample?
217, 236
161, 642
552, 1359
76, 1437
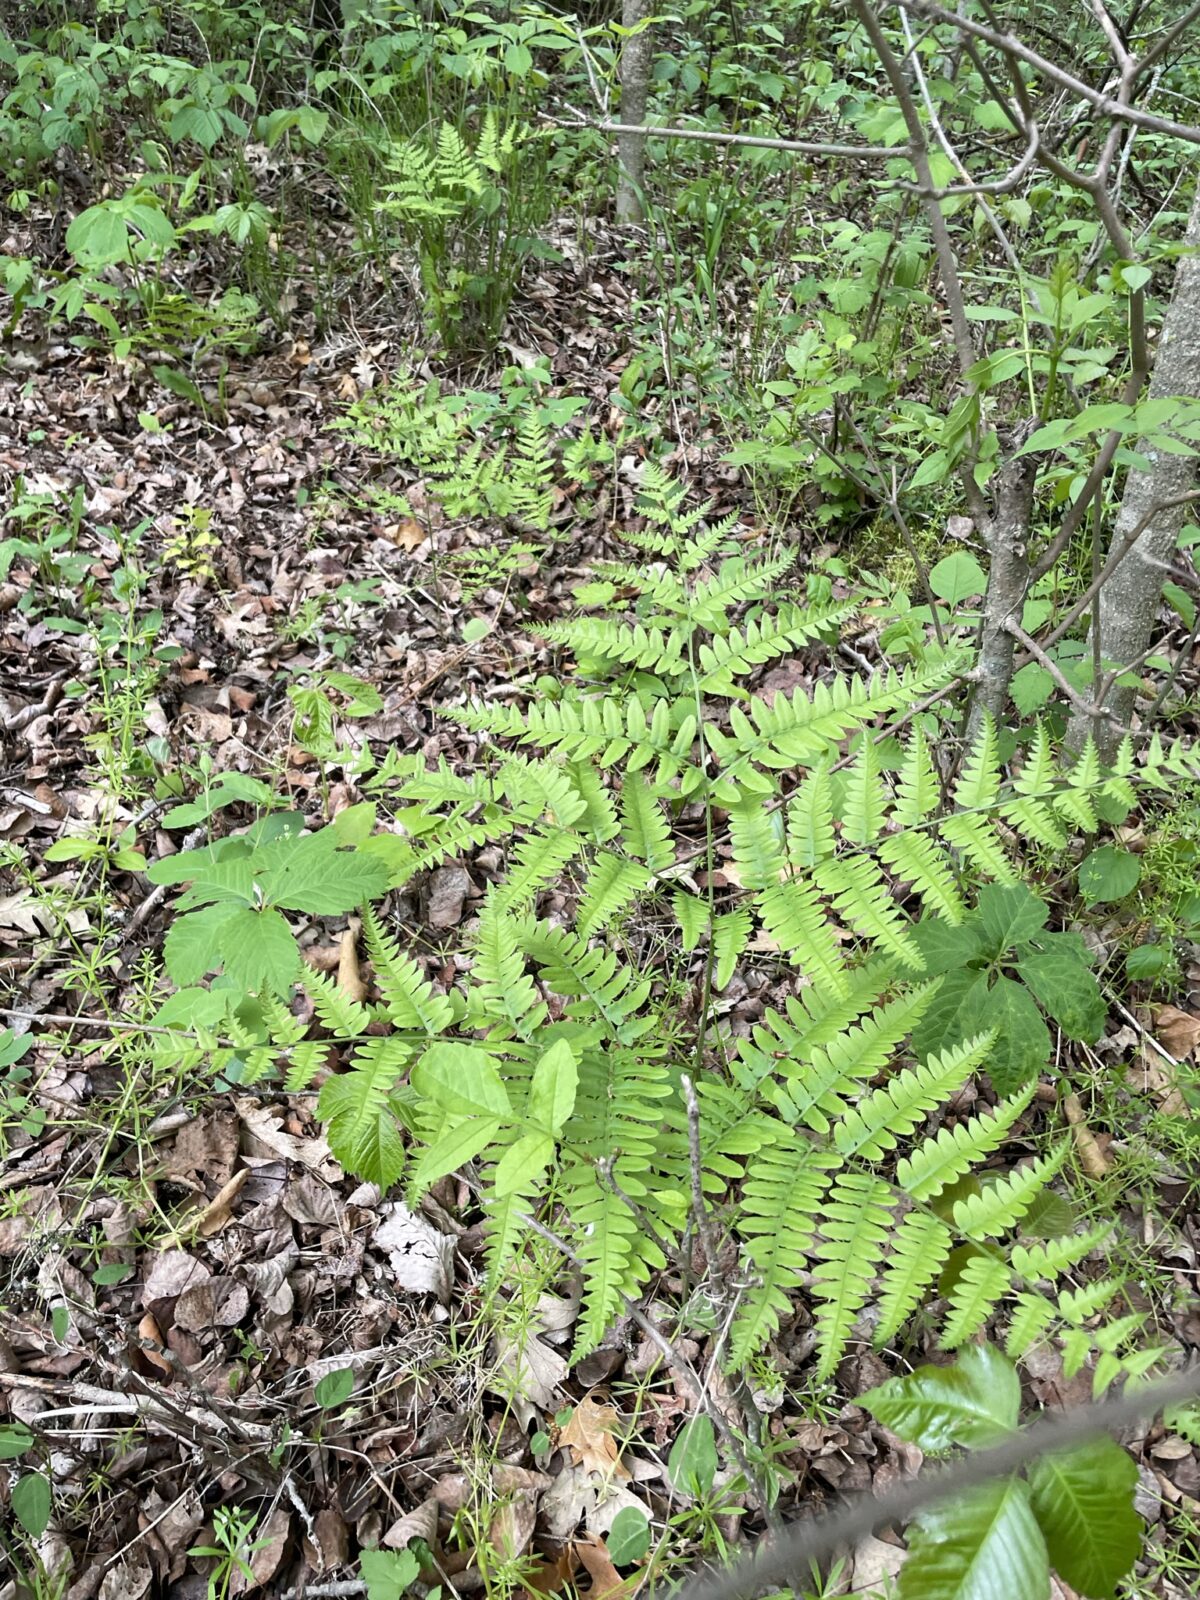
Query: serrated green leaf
522, 1164
984, 1546
1023, 1043
955, 1012
956, 577
388, 1573
945, 947
970, 1403
1010, 914
1083, 1501
1068, 992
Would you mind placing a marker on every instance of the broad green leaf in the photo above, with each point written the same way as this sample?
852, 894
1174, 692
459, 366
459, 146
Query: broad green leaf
1068, 992
692, 1466
388, 1573
522, 1164
552, 1089
629, 1537
944, 947
315, 876
1108, 874
1083, 1501
31, 1503
1023, 1043
956, 577
985, 1546
970, 1403
1010, 914
461, 1079
335, 1388
257, 951
15, 1439
955, 1012
193, 944
1031, 688
455, 1148
98, 236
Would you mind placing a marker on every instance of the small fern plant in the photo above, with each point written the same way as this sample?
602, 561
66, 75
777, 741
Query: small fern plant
469, 215
551, 1073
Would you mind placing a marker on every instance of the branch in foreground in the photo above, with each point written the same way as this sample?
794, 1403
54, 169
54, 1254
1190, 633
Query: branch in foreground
805, 147
778, 1561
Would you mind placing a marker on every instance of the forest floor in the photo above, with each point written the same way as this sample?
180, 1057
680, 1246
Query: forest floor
183, 1266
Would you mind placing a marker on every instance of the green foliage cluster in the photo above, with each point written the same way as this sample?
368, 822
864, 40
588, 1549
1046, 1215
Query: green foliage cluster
812, 1149
1072, 1510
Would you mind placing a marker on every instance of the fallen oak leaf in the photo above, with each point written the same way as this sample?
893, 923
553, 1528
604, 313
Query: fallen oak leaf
589, 1436
606, 1580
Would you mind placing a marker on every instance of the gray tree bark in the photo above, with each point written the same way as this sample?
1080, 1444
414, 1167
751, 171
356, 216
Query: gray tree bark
637, 55
1130, 598
1009, 573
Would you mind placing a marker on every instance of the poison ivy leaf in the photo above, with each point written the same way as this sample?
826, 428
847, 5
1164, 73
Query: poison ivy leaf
944, 947
1010, 914
552, 1089
1023, 1043
971, 1403
955, 1012
1068, 992
1108, 874
957, 576
461, 1079
985, 1546
1083, 1501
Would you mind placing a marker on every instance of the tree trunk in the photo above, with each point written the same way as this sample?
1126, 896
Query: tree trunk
1130, 598
637, 56
1007, 539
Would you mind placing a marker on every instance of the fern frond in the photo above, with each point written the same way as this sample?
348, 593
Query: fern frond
916, 859
612, 885
536, 863
361, 1115
345, 1018
815, 1018
855, 1222
882, 1118
978, 1289
813, 1093
730, 935
1001, 1205
794, 917
781, 1199
410, 999
1032, 1315
645, 831
950, 1153
863, 897
919, 1250
1048, 1259
506, 992
596, 983
646, 649
863, 806
976, 836
740, 651
810, 836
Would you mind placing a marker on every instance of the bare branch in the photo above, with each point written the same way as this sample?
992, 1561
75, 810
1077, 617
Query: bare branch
807, 147
1011, 46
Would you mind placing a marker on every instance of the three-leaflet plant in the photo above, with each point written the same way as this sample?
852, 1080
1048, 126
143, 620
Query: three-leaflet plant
552, 1069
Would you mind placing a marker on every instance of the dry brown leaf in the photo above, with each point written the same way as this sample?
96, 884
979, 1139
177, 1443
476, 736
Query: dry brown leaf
218, 1303
589, 1435
606, 1580
419, 1523
512, 1527
422, 1258
270, 1545
171, 1272
1091, 1157
1177, 1031
406, 534
149, 1331
349, 978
